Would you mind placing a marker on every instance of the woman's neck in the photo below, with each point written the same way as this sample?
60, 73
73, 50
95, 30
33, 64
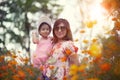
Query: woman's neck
61, 40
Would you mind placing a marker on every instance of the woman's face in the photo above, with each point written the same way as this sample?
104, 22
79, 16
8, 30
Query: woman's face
60, 31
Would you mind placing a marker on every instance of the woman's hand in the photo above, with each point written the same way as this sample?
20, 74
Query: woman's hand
74, 59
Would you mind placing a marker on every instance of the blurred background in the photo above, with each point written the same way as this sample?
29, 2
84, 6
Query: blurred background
93, 24
18, 18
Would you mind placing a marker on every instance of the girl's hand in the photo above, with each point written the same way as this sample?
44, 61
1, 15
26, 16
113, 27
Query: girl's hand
35, 38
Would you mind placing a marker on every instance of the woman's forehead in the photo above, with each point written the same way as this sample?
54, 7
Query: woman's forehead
61, 24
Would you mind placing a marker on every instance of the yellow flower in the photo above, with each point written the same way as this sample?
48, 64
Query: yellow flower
90, 24
82, 68
73, 69
75, 77
95, 50
85, 41
82, 31
94, 40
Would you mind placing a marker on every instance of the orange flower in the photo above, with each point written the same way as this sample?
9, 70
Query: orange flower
13, 62
30, 71
63, 59
41, 68
68, 51
64, 78
51, 67
39, 79
1, 75
8, 53
105, 67
26, 60
85, 41
82, 68
14, 56
82, 31
85, 51
94, 40
16, 77
21, 74
2, 58
3, 68
97, 59
114, 19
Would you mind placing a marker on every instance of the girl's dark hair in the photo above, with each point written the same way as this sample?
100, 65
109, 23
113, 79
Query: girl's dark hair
43, 24
67, 25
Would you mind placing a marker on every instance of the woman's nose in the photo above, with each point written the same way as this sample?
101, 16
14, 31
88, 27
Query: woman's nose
59, 30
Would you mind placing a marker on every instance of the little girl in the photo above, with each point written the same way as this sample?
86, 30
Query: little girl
43, 44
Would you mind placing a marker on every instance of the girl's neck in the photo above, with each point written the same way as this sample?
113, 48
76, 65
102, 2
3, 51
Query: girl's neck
44, 37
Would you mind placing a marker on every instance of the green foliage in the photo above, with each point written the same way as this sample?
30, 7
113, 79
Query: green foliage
15, 13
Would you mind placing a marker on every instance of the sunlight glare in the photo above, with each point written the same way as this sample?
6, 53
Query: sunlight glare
96, 12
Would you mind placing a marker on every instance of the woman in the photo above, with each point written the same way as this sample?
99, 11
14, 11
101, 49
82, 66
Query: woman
64, 51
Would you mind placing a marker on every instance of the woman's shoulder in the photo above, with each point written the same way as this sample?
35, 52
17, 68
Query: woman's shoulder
68, 42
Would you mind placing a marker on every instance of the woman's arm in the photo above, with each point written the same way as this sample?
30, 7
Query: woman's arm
71, 52
74, 59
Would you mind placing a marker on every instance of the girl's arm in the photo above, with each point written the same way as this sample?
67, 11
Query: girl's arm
35, 38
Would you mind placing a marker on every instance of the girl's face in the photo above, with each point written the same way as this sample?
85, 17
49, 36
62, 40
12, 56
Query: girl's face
44, 30
60, 31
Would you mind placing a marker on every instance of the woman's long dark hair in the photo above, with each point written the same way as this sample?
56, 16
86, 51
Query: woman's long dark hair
67, 25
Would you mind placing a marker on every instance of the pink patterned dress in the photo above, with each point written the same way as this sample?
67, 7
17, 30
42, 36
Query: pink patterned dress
59, 62
42, 52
